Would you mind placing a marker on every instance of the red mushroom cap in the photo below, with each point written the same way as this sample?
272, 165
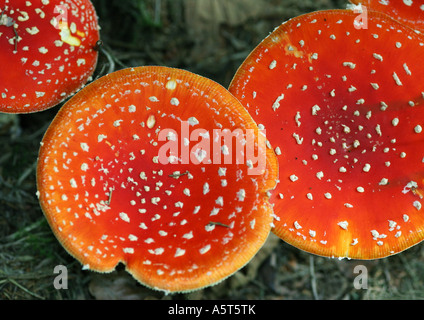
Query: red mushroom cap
47, 51
344, 110
408, 12
112, 194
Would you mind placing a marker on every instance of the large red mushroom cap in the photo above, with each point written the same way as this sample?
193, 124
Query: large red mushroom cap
48, 51
408, 12
134, 169
344, 111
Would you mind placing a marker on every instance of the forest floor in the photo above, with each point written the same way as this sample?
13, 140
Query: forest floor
211, 41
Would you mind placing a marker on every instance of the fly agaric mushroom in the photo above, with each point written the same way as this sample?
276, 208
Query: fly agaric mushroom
344, 111
112, 194
408, 12
47, 51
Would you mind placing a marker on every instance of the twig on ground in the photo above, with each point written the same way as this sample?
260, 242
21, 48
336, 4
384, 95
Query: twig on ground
25, 289
313, 277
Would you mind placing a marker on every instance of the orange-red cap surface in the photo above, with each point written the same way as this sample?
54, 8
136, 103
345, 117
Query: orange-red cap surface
47, 52
344, 111
115, 183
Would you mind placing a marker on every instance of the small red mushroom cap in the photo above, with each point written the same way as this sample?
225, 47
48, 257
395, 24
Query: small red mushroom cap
125, 174
408, 12
47, 52
343, 108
